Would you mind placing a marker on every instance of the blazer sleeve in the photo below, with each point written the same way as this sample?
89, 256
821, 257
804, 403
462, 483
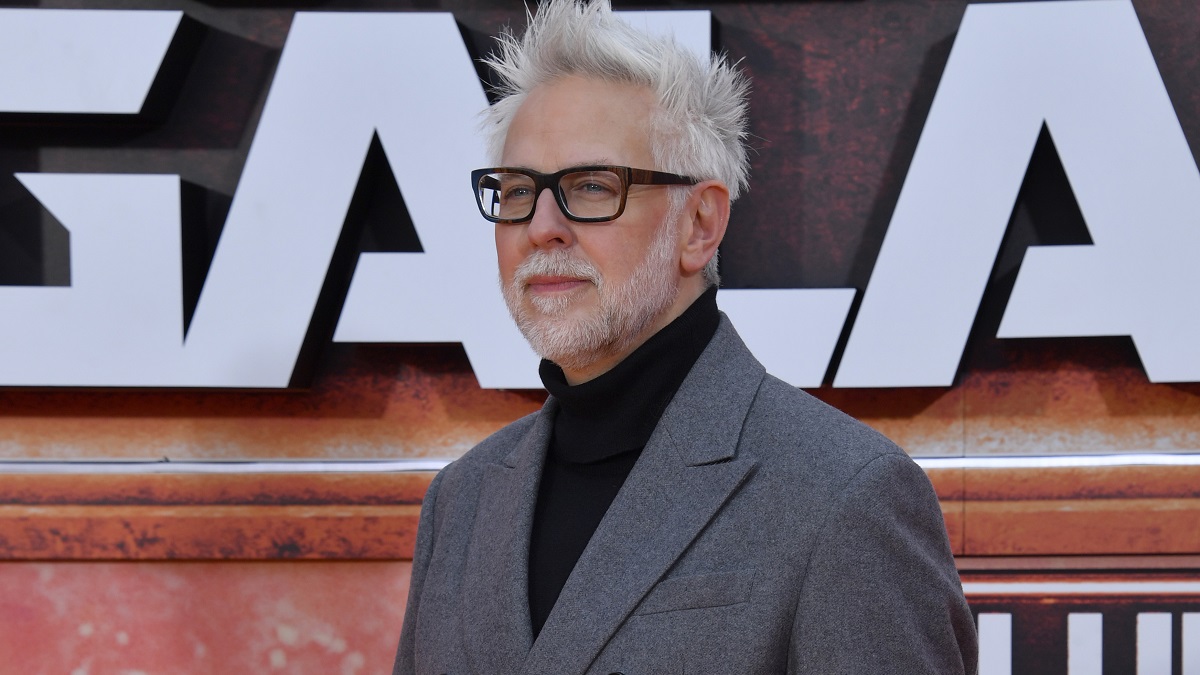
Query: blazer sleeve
882, 594
406, 652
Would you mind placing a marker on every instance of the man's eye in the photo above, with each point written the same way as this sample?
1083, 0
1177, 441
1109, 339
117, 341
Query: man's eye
518, 192
592, 189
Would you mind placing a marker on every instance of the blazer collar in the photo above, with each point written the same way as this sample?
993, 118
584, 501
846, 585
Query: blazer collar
495, 586
688, 470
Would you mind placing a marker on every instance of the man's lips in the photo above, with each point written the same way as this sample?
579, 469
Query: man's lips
554, 284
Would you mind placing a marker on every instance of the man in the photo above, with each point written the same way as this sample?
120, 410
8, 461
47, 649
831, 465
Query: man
672, 508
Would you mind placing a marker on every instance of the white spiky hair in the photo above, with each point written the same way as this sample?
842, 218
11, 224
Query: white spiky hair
699, 128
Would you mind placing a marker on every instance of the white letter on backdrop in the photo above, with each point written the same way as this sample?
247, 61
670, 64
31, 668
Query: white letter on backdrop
81, 61
1083, 69
341, 79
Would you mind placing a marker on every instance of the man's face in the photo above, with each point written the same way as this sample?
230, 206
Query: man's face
586, 294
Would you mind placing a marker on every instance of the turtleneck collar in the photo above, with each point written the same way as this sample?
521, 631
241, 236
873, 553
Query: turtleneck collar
616, 412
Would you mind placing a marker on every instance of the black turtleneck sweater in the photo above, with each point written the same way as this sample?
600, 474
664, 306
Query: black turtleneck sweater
599, 432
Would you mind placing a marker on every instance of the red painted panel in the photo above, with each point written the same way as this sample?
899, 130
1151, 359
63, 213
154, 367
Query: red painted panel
200, 618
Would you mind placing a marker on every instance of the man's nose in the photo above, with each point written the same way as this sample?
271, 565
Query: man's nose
549, 227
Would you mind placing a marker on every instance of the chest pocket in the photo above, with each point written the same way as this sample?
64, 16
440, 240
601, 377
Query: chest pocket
698, 590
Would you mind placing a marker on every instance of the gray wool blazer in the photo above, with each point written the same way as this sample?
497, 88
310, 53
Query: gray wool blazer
761, 531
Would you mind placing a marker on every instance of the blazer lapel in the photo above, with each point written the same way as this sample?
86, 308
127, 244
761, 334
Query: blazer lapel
686, 473
499, 632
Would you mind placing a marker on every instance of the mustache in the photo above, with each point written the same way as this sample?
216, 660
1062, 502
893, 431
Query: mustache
555, 263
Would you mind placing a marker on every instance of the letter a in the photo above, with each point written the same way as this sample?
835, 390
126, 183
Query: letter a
1084, 70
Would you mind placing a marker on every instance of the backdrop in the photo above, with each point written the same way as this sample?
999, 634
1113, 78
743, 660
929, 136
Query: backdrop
231, 356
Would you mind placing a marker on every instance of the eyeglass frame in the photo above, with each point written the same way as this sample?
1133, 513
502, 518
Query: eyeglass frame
550, 181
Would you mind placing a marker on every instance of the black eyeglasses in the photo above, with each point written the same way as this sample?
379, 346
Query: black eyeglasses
586, 194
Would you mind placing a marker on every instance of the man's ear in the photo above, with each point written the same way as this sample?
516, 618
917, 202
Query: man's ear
707, 214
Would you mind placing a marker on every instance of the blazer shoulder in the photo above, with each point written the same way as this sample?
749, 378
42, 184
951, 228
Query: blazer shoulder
492, 449
789, 426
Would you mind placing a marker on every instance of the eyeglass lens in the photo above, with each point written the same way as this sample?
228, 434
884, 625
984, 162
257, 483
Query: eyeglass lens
586, 194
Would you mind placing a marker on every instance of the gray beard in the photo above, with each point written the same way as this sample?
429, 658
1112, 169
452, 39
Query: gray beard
623, 313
